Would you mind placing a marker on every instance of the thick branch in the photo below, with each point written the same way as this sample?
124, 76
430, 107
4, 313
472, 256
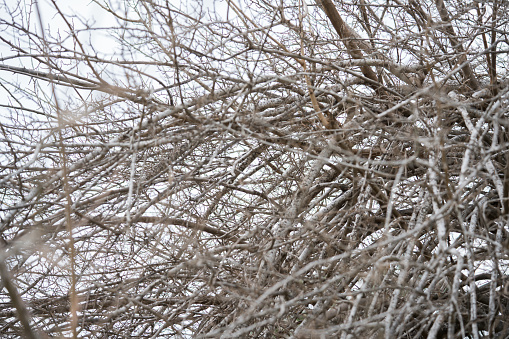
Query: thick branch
348, 37
468, 74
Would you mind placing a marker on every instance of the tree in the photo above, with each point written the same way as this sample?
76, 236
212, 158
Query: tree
257, 169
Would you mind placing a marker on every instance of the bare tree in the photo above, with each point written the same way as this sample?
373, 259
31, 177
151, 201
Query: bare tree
255, 169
